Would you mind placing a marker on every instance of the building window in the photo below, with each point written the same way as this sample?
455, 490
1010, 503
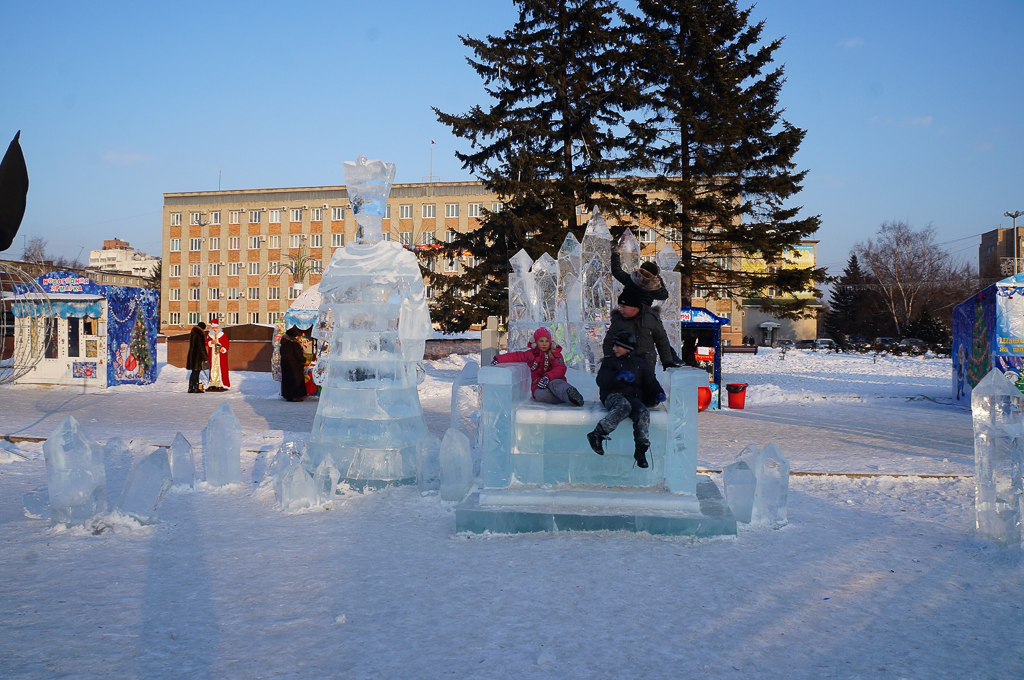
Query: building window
193, 318
215, 217
175, 319
449, 236
195, 269
254, 217
450, 265
405, 212
316, 215
646, 235
234, 242
175, 219
316, 240
275, 242
232, 293
214, 294
193, 293
255, 242
296, 214
195, 244
337, 240
214, 243
337, 214
476, 209
175, 270
234, 268
274, 217
274, 269
429, 210
387, 235
295, 240
387, 212
317, 265
254, 269
235, 216
294, 292
430, 292
195, 219
175, 245
428, 238
451, 209
174, 294
232, 318
254, 317
274, 293
253, 293
496, 207
405, 238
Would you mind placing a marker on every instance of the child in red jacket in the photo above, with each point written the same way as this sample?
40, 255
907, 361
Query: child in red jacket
547, 370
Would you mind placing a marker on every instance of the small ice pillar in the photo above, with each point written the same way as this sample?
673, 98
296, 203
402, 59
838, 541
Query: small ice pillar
465, 402
996, 407
75, 477
183, 465
629, 258
739, 484
374, 319
294, 487
456, 466
222, 447
667, 260
598, 301
522, 299
772, 495
145, 488
428, 463
569, 300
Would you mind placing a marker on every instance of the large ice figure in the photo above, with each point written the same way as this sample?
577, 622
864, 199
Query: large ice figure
569, 300
597, 299
183, 464
376, 322
75, 477
145, 488
222, 447
522, 301
996, 406
629, 258
667, 260
456, 466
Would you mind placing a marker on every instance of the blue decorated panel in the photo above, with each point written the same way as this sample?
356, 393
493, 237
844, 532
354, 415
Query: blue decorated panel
132, 327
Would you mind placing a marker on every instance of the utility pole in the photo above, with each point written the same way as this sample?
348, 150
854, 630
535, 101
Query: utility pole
1016, 240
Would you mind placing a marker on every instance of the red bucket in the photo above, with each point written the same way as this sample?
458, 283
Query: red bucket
703, 398
737, 394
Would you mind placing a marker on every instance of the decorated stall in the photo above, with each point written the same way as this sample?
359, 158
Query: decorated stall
988, 332
702, 331
301, 314
95, 335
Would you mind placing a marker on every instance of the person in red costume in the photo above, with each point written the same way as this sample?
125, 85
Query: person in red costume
547, 370
217, 344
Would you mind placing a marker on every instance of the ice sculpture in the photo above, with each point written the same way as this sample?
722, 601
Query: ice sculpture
145, 488
598, 302
75, 477
294, 487
996, 406
667, 260
326, 479
569, 300
428, 464
37, 503
183, 465
456, 466
522, 301
465, 406
222, 447
376, 322
629, 258
757, 486
739, 483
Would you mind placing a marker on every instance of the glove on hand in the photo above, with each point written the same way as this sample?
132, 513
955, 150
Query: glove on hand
661, 397
543, 382
625, 376
672, 364
494, 361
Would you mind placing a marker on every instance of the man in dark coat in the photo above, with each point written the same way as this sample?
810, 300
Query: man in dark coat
645, 325
293, 366
196, 357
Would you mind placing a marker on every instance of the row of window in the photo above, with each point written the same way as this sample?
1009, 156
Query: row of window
428, 211
235, 268
252, 293
230, 319
295, 241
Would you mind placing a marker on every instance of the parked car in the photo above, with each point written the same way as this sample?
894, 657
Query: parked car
913, 346
804, 344
825, 343
784, 343
883, 343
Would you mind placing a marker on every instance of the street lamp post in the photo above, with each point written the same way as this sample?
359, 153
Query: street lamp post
1016, 241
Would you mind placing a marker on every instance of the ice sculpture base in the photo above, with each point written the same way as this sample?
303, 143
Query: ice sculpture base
534, 509
362, 485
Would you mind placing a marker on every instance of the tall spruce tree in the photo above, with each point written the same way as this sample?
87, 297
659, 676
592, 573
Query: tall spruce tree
708, 130
547, 140
849, 300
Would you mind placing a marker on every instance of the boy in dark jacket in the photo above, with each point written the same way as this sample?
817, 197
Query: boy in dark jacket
628, 386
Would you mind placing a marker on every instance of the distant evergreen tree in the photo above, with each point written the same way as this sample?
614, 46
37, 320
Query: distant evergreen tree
547, 141
709, 130
848, 303
930, 328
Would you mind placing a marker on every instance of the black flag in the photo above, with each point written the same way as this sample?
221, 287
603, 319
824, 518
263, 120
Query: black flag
13, 192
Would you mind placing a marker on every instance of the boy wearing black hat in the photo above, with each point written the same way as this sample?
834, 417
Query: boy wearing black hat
634, 317
628, 386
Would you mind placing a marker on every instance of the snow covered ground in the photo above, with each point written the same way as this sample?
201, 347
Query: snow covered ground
875, 576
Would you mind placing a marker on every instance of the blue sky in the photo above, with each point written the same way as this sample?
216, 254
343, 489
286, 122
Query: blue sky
912, 108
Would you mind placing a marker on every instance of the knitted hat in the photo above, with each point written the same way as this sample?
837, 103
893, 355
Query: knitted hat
625, 339
652, 267
630, 298
541, 333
